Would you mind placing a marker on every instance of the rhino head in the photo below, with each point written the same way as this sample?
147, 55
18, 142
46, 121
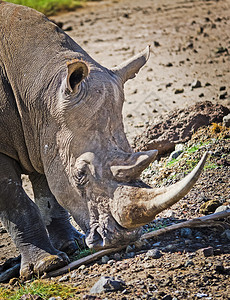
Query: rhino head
94, 173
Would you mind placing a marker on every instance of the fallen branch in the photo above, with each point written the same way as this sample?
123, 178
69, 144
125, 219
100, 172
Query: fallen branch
204, 221
197, 222
82, 261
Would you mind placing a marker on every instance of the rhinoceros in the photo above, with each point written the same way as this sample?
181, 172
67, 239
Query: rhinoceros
61, 124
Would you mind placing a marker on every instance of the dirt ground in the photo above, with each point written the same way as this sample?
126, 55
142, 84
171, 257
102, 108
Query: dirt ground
190, 42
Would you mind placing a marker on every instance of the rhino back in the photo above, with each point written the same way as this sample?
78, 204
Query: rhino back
33, 53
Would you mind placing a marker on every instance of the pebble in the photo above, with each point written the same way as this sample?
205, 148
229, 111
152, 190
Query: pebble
209, 206
186, 232
180, 147
117, 256
226, 234
189, 262
169, 214
207, 251
170, 247
174, 155
201, 295
223, 96
222, 88
221, 208
82, 267
55, 298
195, 84
129, 249
154, 253
226, 120
64, 278
179, 91
107, 284
105, 259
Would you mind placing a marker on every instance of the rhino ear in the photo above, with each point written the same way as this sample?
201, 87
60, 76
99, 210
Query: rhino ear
131, 67
77, 71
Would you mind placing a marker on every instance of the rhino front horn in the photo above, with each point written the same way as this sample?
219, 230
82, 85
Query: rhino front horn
133, 206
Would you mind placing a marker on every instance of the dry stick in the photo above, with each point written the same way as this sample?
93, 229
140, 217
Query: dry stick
201, 222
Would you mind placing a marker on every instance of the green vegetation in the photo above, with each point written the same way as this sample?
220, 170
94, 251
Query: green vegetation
189, 150
42, 288
83, 253
50, 7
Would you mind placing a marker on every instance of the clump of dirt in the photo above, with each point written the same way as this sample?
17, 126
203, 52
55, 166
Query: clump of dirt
178, 126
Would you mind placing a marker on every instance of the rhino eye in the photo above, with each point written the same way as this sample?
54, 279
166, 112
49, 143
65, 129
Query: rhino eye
81, 178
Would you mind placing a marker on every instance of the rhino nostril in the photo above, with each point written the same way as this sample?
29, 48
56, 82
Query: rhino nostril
94, 239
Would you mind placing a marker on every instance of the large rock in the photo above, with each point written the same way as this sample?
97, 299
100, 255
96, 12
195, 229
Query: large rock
178, 126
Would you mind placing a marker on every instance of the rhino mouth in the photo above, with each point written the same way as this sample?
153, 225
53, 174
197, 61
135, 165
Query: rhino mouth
101, 236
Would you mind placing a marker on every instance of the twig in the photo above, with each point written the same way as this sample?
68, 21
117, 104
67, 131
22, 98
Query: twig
204, 221
200, 222
82, 261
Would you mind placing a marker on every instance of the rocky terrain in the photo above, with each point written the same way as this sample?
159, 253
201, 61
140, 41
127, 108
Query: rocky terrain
189, 63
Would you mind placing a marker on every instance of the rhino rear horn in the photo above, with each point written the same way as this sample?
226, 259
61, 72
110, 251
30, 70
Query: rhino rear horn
131, 67
134, 166
77, 71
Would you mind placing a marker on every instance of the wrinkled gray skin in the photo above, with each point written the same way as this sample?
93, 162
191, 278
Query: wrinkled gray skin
61, 123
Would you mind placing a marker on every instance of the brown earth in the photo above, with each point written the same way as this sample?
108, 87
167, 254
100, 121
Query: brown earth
190, 40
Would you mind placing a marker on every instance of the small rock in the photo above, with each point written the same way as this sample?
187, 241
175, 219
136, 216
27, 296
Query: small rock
111, 262
117, 256
129, 249
82, 267
201, 295
189, 262
170, 248
222, 88
219, 267
221, 208
201, 95
223, 96
154, 253
55, 298
169, 64
64, 278
196, 84
207, 251
69, 28
140, 244
180, 147
130, 254
104, 259
174, 154
179, 91
186, 232
226, 120
107, 284
169, 214
156, 44
209, 207
226, 234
